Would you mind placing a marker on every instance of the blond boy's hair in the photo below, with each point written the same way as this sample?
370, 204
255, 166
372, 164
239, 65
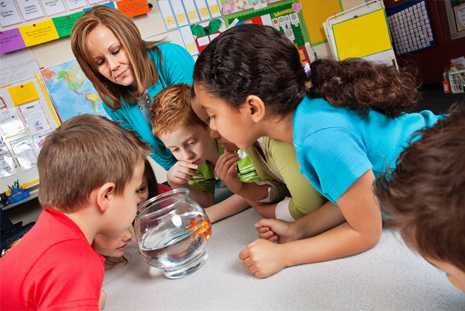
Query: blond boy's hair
84, 153
172, 109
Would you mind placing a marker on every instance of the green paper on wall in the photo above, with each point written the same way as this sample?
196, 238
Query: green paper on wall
65, 24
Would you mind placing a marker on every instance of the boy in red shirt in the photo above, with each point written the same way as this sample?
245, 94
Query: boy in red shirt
90, 172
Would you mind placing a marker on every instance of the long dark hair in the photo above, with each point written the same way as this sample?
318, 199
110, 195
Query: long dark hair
360, 85
259, 60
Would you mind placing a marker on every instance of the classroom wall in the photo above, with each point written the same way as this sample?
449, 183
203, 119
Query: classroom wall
151, 26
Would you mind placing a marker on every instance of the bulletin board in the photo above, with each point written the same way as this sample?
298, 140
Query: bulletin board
26, 118
28, 23
189, 23
286, 16
194, 23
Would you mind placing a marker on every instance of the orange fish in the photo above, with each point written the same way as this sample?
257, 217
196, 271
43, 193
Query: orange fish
201, 228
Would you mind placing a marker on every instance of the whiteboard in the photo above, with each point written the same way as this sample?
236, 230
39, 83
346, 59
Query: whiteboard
361, 32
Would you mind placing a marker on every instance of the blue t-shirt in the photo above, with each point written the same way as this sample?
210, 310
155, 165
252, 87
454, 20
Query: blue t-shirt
174, 65
336, 145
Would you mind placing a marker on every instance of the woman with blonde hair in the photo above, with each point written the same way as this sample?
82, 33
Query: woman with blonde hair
127, 71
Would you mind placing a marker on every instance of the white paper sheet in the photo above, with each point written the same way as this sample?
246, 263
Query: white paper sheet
18, 66
25, 152
9, 14
30, 9
10, 123
34, 117
76, 4
53, 7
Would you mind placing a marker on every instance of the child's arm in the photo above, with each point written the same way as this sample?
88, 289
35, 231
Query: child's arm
205, 199
360, 231
316, 222
228, 207
266, 210
226, 170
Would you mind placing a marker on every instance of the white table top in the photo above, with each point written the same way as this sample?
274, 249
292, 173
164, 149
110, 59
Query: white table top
388, 277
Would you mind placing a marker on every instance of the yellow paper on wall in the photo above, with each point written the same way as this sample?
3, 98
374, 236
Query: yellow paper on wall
362, 36
23, 93
38, 33
315, 13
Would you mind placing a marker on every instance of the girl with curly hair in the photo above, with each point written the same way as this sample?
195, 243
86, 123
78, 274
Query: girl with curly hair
350, 128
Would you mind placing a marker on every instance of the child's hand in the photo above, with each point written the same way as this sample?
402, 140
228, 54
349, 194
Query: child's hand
276, 230
226, 170
263, 258
180, 173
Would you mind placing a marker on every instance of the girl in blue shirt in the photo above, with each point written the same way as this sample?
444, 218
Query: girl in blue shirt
251, 82
128, 72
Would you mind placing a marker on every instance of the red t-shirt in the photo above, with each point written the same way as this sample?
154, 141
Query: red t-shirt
53, 267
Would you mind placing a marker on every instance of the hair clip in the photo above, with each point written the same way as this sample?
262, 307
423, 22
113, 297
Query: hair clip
307, 70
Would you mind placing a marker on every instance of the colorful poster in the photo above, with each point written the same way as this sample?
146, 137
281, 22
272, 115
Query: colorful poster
9, 15
235, 6
11, 40
282, 15
71, 92
205, 32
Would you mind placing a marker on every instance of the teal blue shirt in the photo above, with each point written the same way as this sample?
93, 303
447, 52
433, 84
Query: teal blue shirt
335, 145
174, 65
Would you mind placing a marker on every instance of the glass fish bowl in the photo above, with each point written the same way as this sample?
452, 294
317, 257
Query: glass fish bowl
172, 231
